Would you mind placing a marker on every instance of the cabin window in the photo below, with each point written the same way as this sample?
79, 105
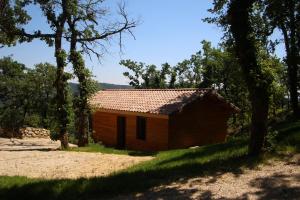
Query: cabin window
141, 128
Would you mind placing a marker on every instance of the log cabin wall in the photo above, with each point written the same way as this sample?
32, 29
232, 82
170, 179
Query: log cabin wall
105, 130
201, 122
156, 134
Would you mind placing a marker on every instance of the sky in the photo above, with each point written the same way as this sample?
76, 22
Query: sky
168, 31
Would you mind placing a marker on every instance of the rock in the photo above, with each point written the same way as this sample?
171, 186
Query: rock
31, 132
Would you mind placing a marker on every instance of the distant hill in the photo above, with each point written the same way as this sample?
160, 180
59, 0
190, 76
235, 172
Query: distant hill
74, 86
113, 86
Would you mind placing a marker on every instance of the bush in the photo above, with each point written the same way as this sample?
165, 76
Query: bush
54, 135
33, 121
73, 139
271, 140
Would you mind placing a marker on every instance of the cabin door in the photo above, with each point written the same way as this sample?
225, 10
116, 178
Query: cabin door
121, 132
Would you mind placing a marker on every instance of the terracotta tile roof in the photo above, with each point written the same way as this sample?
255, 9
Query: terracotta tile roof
155, 101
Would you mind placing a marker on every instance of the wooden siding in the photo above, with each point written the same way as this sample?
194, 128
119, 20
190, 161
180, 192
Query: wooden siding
204, 121
201, 122
105, 130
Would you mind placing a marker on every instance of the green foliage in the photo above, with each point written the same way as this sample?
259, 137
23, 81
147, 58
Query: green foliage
274, 72
217, 68
54, 135
285, 16
33, 120
55, 125
248, 27
206, 68
43, 77
271, 142
13, 90
27, 96
136, 68
267, 17
12, 16
288, 137
146, 76
87, 87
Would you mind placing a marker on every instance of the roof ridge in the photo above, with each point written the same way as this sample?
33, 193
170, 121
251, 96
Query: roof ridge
167, 89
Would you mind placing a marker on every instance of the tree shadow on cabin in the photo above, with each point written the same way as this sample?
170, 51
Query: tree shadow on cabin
176, 103
136, 179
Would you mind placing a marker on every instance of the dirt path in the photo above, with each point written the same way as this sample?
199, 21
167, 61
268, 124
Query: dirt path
277, 180
38, 158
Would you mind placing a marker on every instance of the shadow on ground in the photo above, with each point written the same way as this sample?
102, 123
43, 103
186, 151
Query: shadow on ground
159, 171
213, 160
275, 187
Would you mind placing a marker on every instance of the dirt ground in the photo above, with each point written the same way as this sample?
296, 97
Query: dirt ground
276, 180
39, 158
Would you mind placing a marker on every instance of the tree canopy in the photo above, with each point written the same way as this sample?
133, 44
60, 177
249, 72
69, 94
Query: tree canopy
63, 19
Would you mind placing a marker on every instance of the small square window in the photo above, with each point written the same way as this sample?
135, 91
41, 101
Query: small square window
141, 128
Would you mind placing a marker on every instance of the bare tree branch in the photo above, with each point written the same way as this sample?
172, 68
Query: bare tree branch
89, 19
116, 29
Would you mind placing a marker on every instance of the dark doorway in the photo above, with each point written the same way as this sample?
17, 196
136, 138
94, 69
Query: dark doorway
121, 132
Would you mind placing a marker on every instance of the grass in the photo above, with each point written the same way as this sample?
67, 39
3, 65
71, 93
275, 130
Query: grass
166, 167
288, 139
92, 147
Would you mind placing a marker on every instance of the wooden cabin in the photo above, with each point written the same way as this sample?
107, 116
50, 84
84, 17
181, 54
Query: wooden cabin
159, 119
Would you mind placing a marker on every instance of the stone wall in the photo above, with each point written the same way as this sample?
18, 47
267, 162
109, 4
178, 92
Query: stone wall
30, 132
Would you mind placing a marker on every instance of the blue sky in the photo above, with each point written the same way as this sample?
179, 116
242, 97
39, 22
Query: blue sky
170, 31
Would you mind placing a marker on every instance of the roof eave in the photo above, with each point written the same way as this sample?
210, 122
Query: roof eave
133, 113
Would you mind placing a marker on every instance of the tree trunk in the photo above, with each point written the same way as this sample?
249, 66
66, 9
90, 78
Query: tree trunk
83, 130
44, 112
291, 57
83, 104
259, 118
293, 86
61, 79
79, 70
293, 60
256, 82
61, 92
